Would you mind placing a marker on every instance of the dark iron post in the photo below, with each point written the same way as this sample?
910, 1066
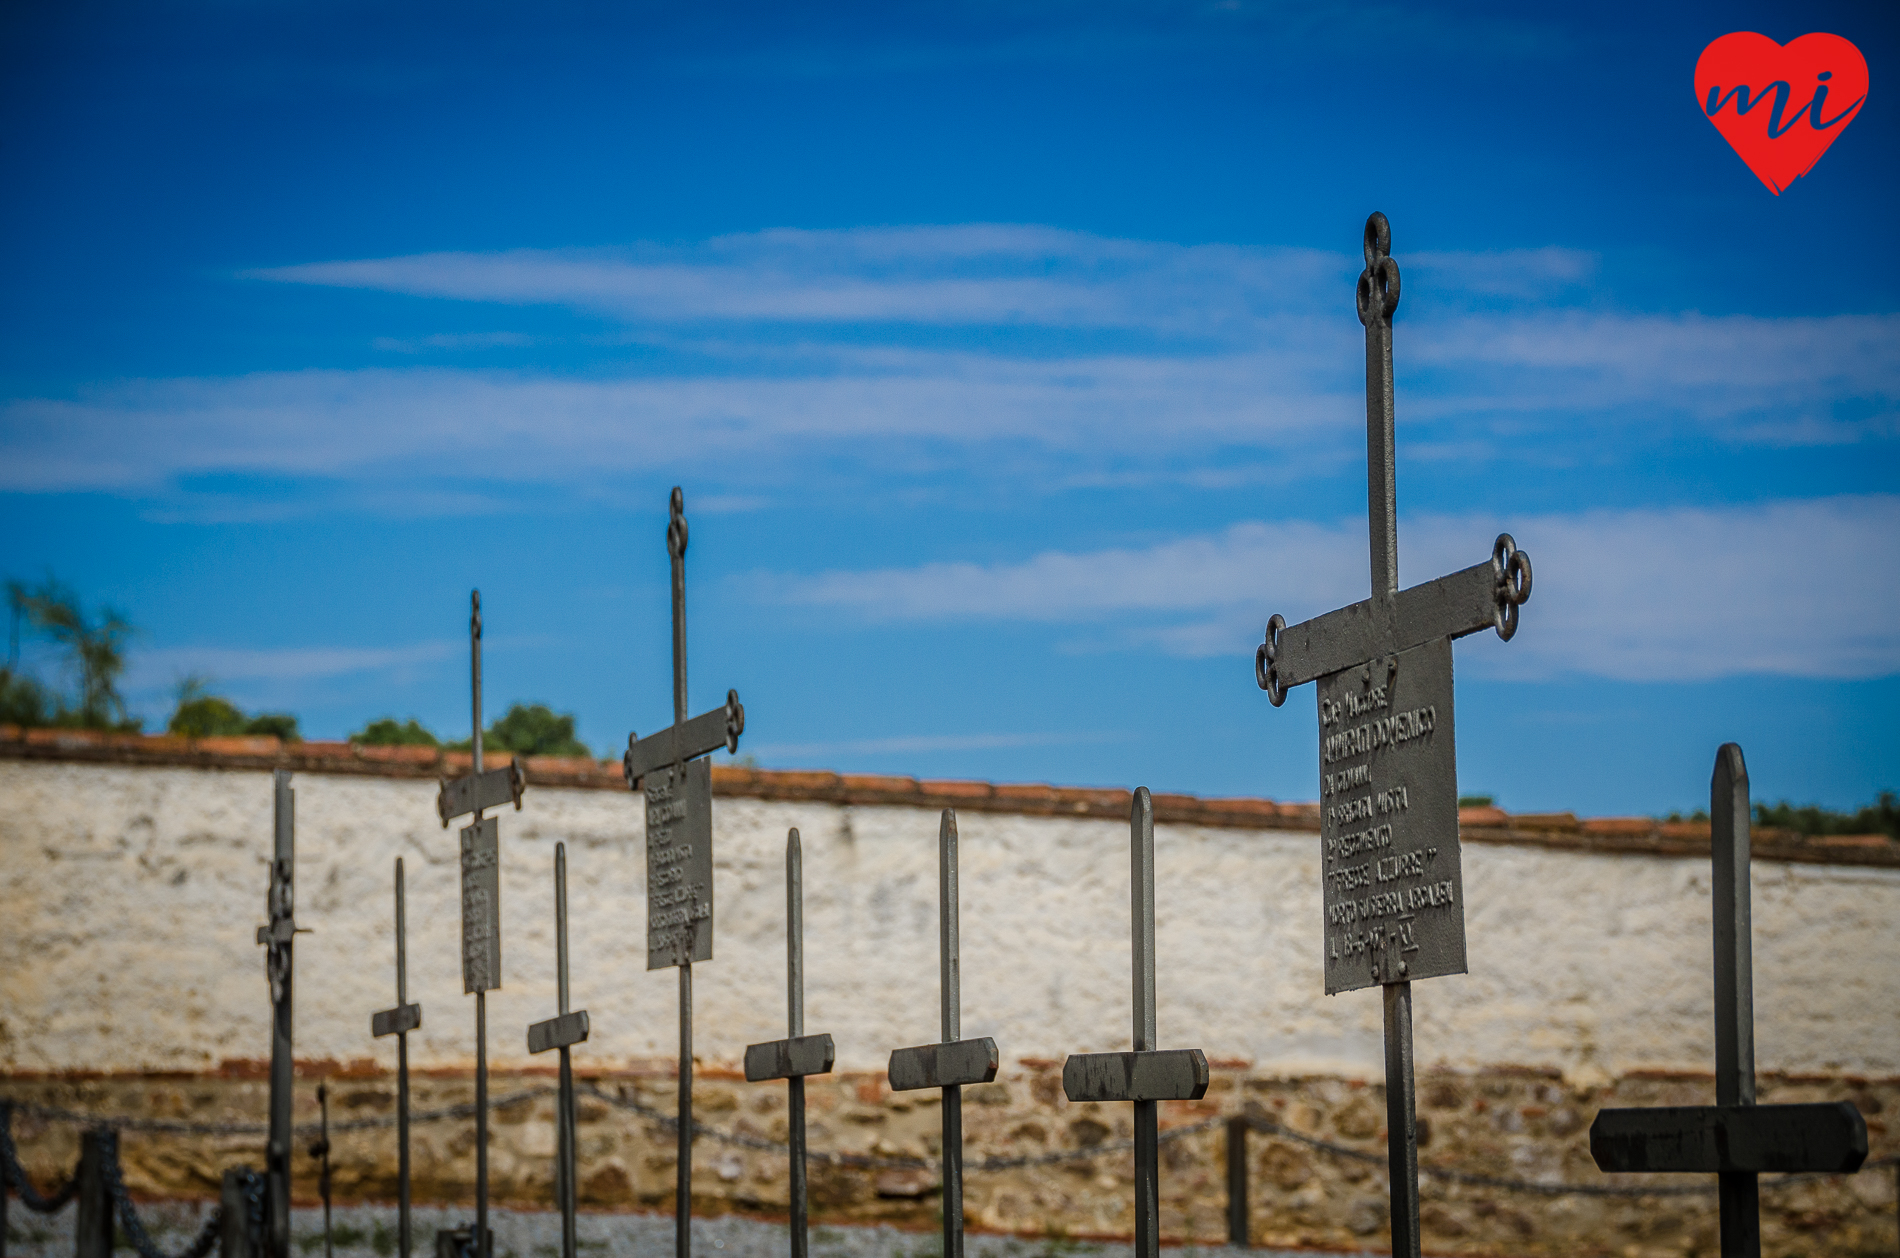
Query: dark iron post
401, 1020
1237, 1220
278, 939
321, 1150
481, 905
1735, 1138
92, 1226
1388, 765
562, 1031
954, 1061
241, 1199
678, 789
1148, 1075
793, 1058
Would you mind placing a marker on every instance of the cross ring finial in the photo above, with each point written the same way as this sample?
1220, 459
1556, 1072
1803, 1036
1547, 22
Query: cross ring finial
1381, 273
676, 524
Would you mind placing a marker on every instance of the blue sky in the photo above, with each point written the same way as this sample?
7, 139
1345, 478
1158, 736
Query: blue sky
1006, 354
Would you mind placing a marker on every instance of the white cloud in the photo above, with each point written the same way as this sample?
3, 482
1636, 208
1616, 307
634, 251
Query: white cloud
1794, 588
1068, 358
162, 665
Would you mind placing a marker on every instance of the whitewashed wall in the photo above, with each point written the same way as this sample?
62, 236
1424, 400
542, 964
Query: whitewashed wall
129, 898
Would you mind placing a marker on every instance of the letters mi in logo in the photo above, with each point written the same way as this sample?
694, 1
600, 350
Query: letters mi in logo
1780, 105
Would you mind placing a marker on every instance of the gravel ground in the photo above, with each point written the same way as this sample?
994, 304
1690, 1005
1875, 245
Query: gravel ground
370, 1232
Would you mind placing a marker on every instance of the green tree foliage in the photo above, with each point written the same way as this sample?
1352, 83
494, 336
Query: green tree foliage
532, 730
1880, 817
95, 647
388, 733
201, 714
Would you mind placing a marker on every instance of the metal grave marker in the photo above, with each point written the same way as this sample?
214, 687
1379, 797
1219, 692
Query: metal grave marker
278, 939
562, 1031
798, 1055
1149, 1075
1393, 894
1734, 1139
955, 1061
399, 1021
678, 790
481, 905
320, 1149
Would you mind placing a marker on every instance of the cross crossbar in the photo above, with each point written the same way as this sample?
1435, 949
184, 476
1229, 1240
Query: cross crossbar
676, 744
1723, 1139
1167, 1074
559, 1032
790, 1058
398, 1021
1460, 603
500, 785
948, 1065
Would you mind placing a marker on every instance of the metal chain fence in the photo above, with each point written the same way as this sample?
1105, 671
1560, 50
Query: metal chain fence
134, 1227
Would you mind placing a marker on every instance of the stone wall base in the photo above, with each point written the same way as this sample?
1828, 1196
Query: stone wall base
1516, 1125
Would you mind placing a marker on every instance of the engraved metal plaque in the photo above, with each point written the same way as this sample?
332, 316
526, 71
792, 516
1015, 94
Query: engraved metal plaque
1394, 887
679, 864
481, 906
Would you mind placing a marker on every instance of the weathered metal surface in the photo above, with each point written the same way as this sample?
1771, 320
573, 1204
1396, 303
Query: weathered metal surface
679, 864
1734, 1138
1401, 1118
944, 1065
563, 1031
1392, 882
790, 1058
1728, 1139
1394, 906
477, 791
1166, 1074
713, 730
481, 906
320, 1149
278, 938
398, 1021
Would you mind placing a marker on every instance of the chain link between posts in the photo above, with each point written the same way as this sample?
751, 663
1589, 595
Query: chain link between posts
857, 1161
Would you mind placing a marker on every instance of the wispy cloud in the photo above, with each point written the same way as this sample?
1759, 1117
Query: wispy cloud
1784, 588
1058, 357
161, 665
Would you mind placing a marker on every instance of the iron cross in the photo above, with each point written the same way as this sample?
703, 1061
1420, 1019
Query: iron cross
678, 790
1392, 881
562, 1031
1735, 1139
278, 938
799, 1055
1149, 1075
955, 1061
481, 900
401, 1020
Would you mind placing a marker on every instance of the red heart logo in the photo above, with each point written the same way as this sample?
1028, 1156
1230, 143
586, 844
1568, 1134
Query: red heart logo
1780, 107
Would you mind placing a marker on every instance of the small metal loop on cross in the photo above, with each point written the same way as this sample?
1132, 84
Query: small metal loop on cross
1265, 657
1380, 279
1513, 569
735, 721
676, 524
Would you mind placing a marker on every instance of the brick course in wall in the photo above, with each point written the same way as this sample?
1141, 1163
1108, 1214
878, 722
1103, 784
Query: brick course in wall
1561, 831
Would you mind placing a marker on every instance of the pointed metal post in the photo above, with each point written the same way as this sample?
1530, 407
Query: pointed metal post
1735, 1138
1148, 1075
563, 1031
683, 1183
1730, 848
793, 1058
398, 1022
481, 905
